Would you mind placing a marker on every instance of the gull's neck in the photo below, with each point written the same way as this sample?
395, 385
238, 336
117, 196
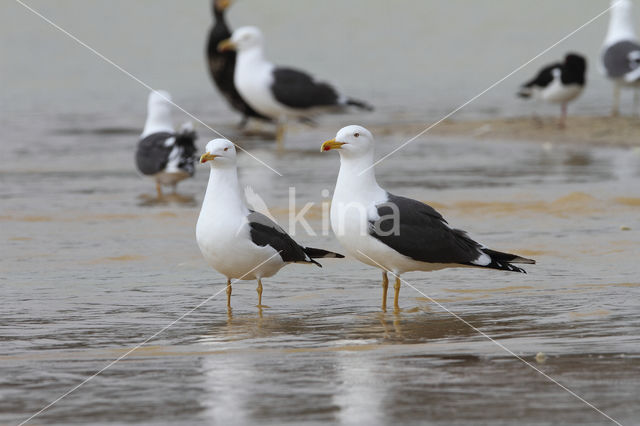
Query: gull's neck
158, 120
251, 57
223, 195
620, 24
357, 179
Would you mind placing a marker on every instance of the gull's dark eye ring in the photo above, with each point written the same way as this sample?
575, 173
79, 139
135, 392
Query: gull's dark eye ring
356, 134
226, 149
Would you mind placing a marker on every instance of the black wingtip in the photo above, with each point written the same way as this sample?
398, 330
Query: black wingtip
316, 253
503, 266
524, 260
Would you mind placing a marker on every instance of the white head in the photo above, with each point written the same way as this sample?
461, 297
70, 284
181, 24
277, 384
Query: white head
244, 38
352, 142
220, 153
158, 113
620, 22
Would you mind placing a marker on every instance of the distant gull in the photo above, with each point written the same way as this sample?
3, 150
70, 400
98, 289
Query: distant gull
237, 242
277, 92
163, 154
222, 64
621, 52
394, 233
558, 83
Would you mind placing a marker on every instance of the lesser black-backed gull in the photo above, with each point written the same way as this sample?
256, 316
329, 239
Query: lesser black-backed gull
394, 233
621, 52
237, 242
279, 92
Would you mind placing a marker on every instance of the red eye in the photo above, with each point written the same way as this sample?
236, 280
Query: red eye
356, 134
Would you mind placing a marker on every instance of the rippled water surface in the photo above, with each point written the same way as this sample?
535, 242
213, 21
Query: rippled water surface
90, 268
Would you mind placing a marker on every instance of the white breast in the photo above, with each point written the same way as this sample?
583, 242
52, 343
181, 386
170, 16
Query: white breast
558, 93
227, 248
253, 78
223, 234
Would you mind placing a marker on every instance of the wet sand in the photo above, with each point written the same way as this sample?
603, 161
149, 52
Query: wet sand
90, 282
579, 130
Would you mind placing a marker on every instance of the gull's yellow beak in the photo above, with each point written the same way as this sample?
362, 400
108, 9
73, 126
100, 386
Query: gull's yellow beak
207, 156
223, 4
226, 45
331, 144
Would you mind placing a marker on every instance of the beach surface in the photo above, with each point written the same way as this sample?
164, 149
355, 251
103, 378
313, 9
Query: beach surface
94, 269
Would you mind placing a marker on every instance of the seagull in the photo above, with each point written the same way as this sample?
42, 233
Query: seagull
558, 83
163, 154
278, 92
222, 64
621, 52
240, 243
394, 233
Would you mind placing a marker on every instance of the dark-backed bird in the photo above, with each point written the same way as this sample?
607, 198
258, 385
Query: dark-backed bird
164, 154
558, 83
222, 64
240, 243
394, 233
277, 92
621, 53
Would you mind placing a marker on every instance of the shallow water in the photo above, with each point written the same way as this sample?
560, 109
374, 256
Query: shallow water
90, 268
90, 273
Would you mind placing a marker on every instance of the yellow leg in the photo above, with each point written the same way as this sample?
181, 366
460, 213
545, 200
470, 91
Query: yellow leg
396, 295
228, 293
385, 287
159, 189
259, 290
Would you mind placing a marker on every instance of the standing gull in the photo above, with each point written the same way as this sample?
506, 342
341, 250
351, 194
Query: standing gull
558, 83
237, 242
394, 233
222, 64
162, 153
621, 52
278, 92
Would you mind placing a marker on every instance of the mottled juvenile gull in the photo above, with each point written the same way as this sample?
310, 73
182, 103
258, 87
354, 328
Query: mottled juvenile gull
222, 64
621, 52
558, 83
278, 92
238, 242
163, 154
394, 233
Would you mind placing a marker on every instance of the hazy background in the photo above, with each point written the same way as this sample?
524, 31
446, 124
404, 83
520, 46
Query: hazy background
416, 58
